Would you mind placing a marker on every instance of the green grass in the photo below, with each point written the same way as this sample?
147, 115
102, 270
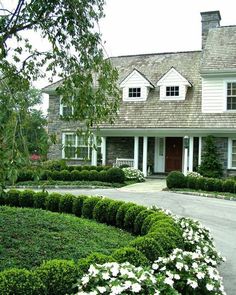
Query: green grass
30, 236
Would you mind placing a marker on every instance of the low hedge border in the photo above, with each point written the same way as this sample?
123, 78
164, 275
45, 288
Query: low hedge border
60, 275
176, 180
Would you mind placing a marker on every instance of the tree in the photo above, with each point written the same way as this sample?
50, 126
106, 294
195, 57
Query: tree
211, 165
75, 55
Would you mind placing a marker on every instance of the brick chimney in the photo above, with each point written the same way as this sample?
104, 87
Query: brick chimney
210, 19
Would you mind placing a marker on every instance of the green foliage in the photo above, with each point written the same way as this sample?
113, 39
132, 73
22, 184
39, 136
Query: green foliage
78, 205
120, 215
26, 198
130, 217
12, 198
66, 203
75, 175
25, 175
112, 211
103, 176
191, 182
152, 219
40, 200
149, 247
101, 209
88, 206
52, 202
138, 222
163, 239
175, 179
94, 258
53, 165
58, 276
210, 165
131, 255
229, 185
172, 232
19, 282
115, 175
65, 175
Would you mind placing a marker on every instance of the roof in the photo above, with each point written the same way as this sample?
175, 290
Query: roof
220, 50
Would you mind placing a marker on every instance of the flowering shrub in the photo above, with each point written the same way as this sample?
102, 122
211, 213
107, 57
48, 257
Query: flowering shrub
133, 174
194, 174
113, 278
190, 273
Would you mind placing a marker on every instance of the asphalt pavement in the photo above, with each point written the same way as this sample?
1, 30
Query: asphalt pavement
216, 214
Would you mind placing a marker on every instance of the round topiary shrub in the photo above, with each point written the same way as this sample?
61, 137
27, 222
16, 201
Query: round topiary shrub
25, 175
130, 217
79, 168
88, 206
45, 175
94, 258
120, 215
138, 222
163, 239
112, 211
191, 182
20, 282
40, 200
102, 176
100, 210
55, 175
58, 276
75, 175
65, 175
151, 219
78, 205
52, 202
131, 255
85, 174
172, 232
26, 198
66, 203
229, 186
12, 198
149, 247
201, 183
175, 179
115, 175
218, 184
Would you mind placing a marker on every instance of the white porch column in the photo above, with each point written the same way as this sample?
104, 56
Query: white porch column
199, 150
191, 154
145, 143
94, 160
136, 148
185, 156
103, 150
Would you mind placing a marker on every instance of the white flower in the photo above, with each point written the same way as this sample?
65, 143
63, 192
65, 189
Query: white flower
127, 284
169, 281
136, 288
157, 293
209, 287
155, 266
179, 265
85, 280
106, 276
195, 265
192, 283
93, 271
116, 290
93, 293
200, 275
101, 289
177, 277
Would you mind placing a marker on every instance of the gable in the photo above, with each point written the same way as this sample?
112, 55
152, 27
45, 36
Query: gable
136, 78
173, 77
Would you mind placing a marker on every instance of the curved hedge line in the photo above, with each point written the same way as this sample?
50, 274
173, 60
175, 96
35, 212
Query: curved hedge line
160, 237
176, 179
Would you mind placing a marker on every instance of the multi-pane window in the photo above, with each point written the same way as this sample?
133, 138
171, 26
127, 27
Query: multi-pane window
172, 91
135, 92
231, 96
234, 153
65, 109
77, 147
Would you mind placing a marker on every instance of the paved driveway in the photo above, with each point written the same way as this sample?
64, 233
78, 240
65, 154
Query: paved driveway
218, 215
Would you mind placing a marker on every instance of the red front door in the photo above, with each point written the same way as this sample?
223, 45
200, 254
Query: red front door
174, 151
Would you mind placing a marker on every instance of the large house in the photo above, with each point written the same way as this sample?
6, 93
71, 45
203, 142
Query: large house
170, 102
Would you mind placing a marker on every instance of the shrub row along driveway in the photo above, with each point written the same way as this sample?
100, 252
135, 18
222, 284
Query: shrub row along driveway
218, 215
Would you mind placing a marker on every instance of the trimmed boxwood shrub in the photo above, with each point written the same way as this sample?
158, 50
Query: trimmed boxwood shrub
138, 222
229, 186
151, 219
102, 176
26, 198
78, 205
201, 183
55, 175
172, 232
40, 200
85, 175
58, 276
88, 206
218, 183
45, 175
20, 282
12, 198
84, 263
93, 175
149, 247
163, 239
52, 202
66, 203
115, 175
65, 175
120, 215
75, 175
112, 211
131, 255
191, 182
130, 217
175, 179
100, 210
25, 175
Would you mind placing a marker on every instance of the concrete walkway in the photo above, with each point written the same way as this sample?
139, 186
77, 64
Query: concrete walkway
217, 215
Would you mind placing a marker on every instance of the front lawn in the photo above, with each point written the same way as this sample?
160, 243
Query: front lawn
30, 236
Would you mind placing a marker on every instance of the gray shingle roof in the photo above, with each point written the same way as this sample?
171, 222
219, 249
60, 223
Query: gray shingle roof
220, 50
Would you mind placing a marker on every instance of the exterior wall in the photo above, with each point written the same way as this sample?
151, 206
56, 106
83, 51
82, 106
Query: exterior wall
214, 93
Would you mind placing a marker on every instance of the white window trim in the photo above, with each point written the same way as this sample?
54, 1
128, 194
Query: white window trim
230, 153
233, 80
61, 107
172, 96
142, 96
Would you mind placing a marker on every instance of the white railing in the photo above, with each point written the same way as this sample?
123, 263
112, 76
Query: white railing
122, 161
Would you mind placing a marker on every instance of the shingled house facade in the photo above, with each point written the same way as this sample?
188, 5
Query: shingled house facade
170, 102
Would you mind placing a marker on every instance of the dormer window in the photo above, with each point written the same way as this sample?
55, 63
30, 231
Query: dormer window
172, 91
134, 92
